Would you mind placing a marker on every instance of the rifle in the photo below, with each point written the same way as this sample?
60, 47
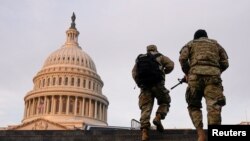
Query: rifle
180, 82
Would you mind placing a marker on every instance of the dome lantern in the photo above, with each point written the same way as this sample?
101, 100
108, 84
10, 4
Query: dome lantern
72, 34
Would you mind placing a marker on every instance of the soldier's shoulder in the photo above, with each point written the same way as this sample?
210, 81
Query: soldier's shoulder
187, 46
139, 56
214, 41
217, 43
189, 43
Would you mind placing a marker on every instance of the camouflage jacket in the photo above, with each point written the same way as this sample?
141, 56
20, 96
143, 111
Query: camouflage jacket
203, 56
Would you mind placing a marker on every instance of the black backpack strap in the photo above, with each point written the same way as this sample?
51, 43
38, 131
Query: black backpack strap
155, 56
136, 60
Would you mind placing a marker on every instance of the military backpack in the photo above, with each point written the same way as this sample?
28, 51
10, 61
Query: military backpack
148, 71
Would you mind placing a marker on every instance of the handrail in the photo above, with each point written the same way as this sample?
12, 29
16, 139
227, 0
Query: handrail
135, 124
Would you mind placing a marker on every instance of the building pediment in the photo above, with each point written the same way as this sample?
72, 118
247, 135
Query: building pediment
39, 124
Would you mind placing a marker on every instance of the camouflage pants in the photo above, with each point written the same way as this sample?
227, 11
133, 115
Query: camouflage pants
146, 103
209, 87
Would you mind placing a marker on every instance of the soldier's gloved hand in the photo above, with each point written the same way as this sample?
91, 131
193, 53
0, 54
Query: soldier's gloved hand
185, 79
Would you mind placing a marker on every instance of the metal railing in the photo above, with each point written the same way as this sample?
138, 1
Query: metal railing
135, 124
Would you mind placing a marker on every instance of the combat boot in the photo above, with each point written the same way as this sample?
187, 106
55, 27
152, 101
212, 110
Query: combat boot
157, 123
201, 134
145, 136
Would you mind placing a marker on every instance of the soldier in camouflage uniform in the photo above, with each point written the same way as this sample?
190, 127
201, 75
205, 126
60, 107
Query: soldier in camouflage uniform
158, 91
203, 60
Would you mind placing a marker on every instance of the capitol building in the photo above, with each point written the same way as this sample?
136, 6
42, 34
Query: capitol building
67, 92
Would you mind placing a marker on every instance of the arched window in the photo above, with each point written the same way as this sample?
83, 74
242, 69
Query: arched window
78, 82
89, 84
43, 82
60, 81
72, 81
82, 62
48, 81
77, 60
84, 83
86, 63
54, 81
93, 86
66, 81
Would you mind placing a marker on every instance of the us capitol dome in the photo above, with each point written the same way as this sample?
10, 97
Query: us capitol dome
67, 92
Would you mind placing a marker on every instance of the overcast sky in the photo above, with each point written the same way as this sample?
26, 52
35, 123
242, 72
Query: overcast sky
113, 33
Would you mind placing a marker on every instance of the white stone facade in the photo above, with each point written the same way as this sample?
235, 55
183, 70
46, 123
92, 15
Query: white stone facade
67, 90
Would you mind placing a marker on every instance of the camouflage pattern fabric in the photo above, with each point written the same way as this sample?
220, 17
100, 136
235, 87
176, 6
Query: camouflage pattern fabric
146, 103
211, 89
203, 56
203, 60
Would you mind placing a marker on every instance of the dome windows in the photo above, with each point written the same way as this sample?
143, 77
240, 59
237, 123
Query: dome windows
70, 81
66, 81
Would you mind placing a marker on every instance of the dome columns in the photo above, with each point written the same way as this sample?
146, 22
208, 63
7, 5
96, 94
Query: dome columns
66, 105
